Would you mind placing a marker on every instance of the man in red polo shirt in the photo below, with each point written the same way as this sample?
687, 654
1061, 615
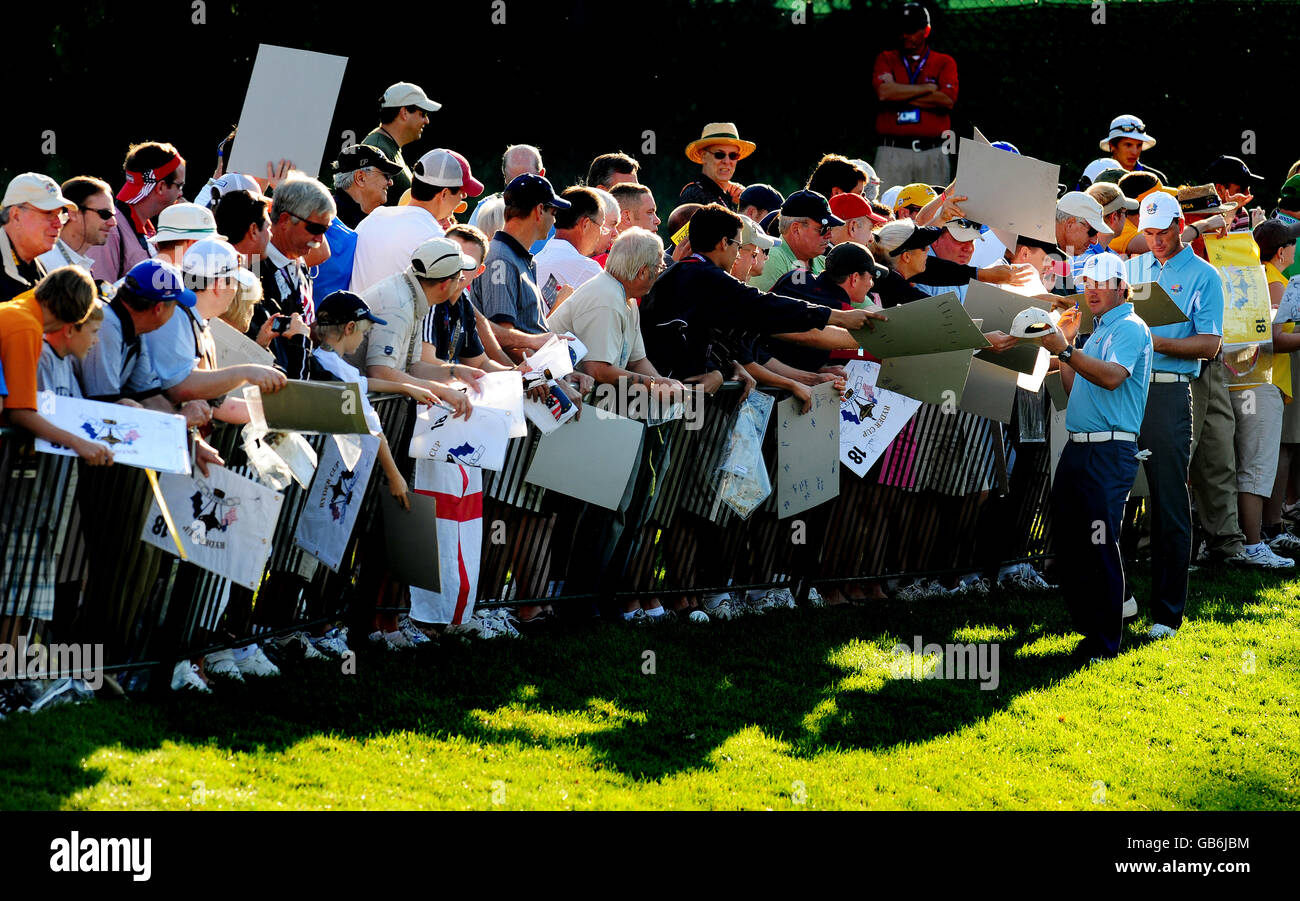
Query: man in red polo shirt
916, 88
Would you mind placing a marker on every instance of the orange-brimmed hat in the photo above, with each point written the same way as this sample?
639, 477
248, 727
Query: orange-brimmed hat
718, 133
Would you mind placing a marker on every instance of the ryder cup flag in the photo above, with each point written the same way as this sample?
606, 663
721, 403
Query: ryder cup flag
870, 417
1247, 312
225, 520
333, 502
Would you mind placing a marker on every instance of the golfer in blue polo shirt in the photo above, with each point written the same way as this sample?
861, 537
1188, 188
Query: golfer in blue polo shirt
1108, 396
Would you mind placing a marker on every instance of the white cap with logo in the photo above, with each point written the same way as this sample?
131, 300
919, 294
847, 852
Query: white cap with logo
213, 258
1105, 267
406, 94
1158, 210
40, 191
1082, 206
439, 258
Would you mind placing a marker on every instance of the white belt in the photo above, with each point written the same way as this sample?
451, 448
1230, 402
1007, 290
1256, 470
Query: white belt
1098, 437
1170, 377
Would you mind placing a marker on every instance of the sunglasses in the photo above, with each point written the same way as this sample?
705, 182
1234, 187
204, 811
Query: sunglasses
102, 214
1129, 129
724, 155
822, 230
1092, 232
313, 228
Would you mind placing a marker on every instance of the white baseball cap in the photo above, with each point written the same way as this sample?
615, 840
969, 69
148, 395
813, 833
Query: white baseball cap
406, 94
40, 191
440, 168
215, 257
1158, 210
231, 181
750, 233
184, 222
872, 187
963, 230
1081, 206
439, 258
1033, 322
1105, 267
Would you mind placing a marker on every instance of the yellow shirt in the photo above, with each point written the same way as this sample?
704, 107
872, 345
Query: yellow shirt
1119, 243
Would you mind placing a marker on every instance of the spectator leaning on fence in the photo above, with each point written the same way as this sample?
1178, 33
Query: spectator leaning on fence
392, 350
182, 353
806, 223
697, 301
33, 212
64, 349
155, 177
1107, 382
62, 298
91, 225
403, 112
301, 213
916, 87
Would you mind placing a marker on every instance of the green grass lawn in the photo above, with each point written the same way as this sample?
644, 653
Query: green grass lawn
793, 710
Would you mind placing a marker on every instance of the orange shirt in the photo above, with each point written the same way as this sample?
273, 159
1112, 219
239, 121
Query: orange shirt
22, 325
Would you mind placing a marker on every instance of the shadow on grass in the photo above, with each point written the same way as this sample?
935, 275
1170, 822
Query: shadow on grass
815, 679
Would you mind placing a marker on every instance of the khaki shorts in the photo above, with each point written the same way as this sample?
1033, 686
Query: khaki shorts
1258, 411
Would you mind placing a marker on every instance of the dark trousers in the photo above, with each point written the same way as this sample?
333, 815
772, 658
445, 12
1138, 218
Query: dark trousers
1167, 433
1088, 497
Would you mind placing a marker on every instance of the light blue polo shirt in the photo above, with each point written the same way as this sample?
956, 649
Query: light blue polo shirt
1120, 337
1196, 287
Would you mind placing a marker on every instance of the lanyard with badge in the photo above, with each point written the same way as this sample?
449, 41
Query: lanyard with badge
912, 115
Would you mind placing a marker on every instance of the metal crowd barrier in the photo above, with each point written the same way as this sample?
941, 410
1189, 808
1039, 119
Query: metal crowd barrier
938, 501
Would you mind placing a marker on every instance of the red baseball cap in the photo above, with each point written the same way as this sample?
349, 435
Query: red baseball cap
853, 206
472, 186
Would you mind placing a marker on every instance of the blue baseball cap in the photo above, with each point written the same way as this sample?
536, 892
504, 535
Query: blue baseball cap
527, 190
765, 197
1007, 146
343, 307
159, 281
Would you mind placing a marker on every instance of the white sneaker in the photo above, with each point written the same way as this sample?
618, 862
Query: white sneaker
1260, 557
772, 599
1160, 631
921, 589
222, 663
186, 675
815, 598
412, 632
710, 602
1284, 543
1130, 608
486, 625
257, 664
1024, 576
334, 642
302, 641
698, 616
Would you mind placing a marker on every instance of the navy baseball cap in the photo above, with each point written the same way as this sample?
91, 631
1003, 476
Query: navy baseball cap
363, 156
765, 197
159, 281
527, 190
343, 307
810, 205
